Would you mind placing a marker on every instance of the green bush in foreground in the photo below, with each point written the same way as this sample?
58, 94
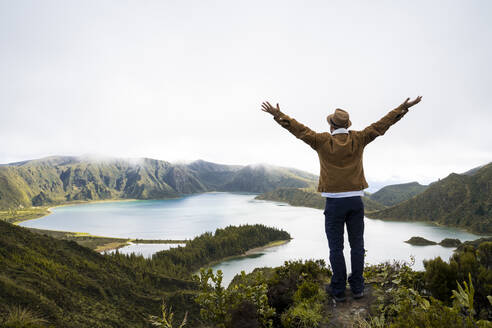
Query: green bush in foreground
406, 298
473, 262
166, 319
402, 297
241, 305
306, 311
18, 317
291, 295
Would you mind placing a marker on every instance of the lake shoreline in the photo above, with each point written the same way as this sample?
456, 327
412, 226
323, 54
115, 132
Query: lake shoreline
47, 209
100, 244
251, 251
50, 208
432, 223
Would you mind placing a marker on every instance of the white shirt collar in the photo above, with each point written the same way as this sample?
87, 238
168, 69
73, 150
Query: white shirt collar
339, 130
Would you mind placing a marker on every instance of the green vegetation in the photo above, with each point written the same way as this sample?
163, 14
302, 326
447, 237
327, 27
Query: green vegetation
62, 180
166, 318
98, 243
473, 243
18, 317
394, 194
406, 298
23, 214
295, 197
450, 242
286, 296
72, 286
402, 300
222, 307
475, 262
309, 198
371, 205
455, 294
419, 241
446, 242
459, 200
207, 248
262, 178
45, 282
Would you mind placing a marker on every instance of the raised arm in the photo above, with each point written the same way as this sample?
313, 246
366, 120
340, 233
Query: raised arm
380, 127
297, 129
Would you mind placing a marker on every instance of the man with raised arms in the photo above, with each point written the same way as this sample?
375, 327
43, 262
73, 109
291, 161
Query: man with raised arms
342, 182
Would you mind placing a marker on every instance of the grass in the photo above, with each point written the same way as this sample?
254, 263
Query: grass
19, 215
22, 317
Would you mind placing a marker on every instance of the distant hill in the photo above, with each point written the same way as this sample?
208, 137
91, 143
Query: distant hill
58, 179
397, 193
309, 198
458, 200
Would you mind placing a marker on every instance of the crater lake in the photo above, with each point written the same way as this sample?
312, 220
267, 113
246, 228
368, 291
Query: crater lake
190, 216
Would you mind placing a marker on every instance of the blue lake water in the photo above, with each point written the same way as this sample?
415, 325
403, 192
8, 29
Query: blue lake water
187, 217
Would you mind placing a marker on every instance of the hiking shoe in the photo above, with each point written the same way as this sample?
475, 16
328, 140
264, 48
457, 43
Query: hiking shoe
339, 297
357, 296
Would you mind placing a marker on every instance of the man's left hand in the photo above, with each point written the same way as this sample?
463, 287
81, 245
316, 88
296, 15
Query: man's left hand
407, 104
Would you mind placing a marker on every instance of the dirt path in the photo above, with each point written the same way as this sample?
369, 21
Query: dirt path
345, 314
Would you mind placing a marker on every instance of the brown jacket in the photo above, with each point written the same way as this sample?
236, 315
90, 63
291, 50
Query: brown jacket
340, 155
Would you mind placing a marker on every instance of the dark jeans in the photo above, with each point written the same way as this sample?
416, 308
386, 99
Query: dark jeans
338, 212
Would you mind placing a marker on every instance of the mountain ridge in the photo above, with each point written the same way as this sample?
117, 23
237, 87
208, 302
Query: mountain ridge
60, 179
396, 193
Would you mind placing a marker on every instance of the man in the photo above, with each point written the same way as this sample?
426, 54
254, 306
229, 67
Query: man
342, 182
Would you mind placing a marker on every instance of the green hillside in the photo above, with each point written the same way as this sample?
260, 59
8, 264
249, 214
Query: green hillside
56, 180
309, 198
261, 178
458, 200
72, 286
394, 194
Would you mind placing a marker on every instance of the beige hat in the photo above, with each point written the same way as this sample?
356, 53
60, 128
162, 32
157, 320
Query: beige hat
339, 119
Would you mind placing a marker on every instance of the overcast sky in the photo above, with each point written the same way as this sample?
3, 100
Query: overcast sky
183, 80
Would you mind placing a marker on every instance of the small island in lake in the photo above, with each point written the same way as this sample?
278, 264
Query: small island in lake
450, 242
446, 242
420, 241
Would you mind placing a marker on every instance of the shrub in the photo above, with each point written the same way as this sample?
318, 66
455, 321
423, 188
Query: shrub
286, 279
233, 307
472, 261
302, 315
18, 317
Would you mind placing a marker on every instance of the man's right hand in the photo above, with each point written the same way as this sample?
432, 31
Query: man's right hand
407, 104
